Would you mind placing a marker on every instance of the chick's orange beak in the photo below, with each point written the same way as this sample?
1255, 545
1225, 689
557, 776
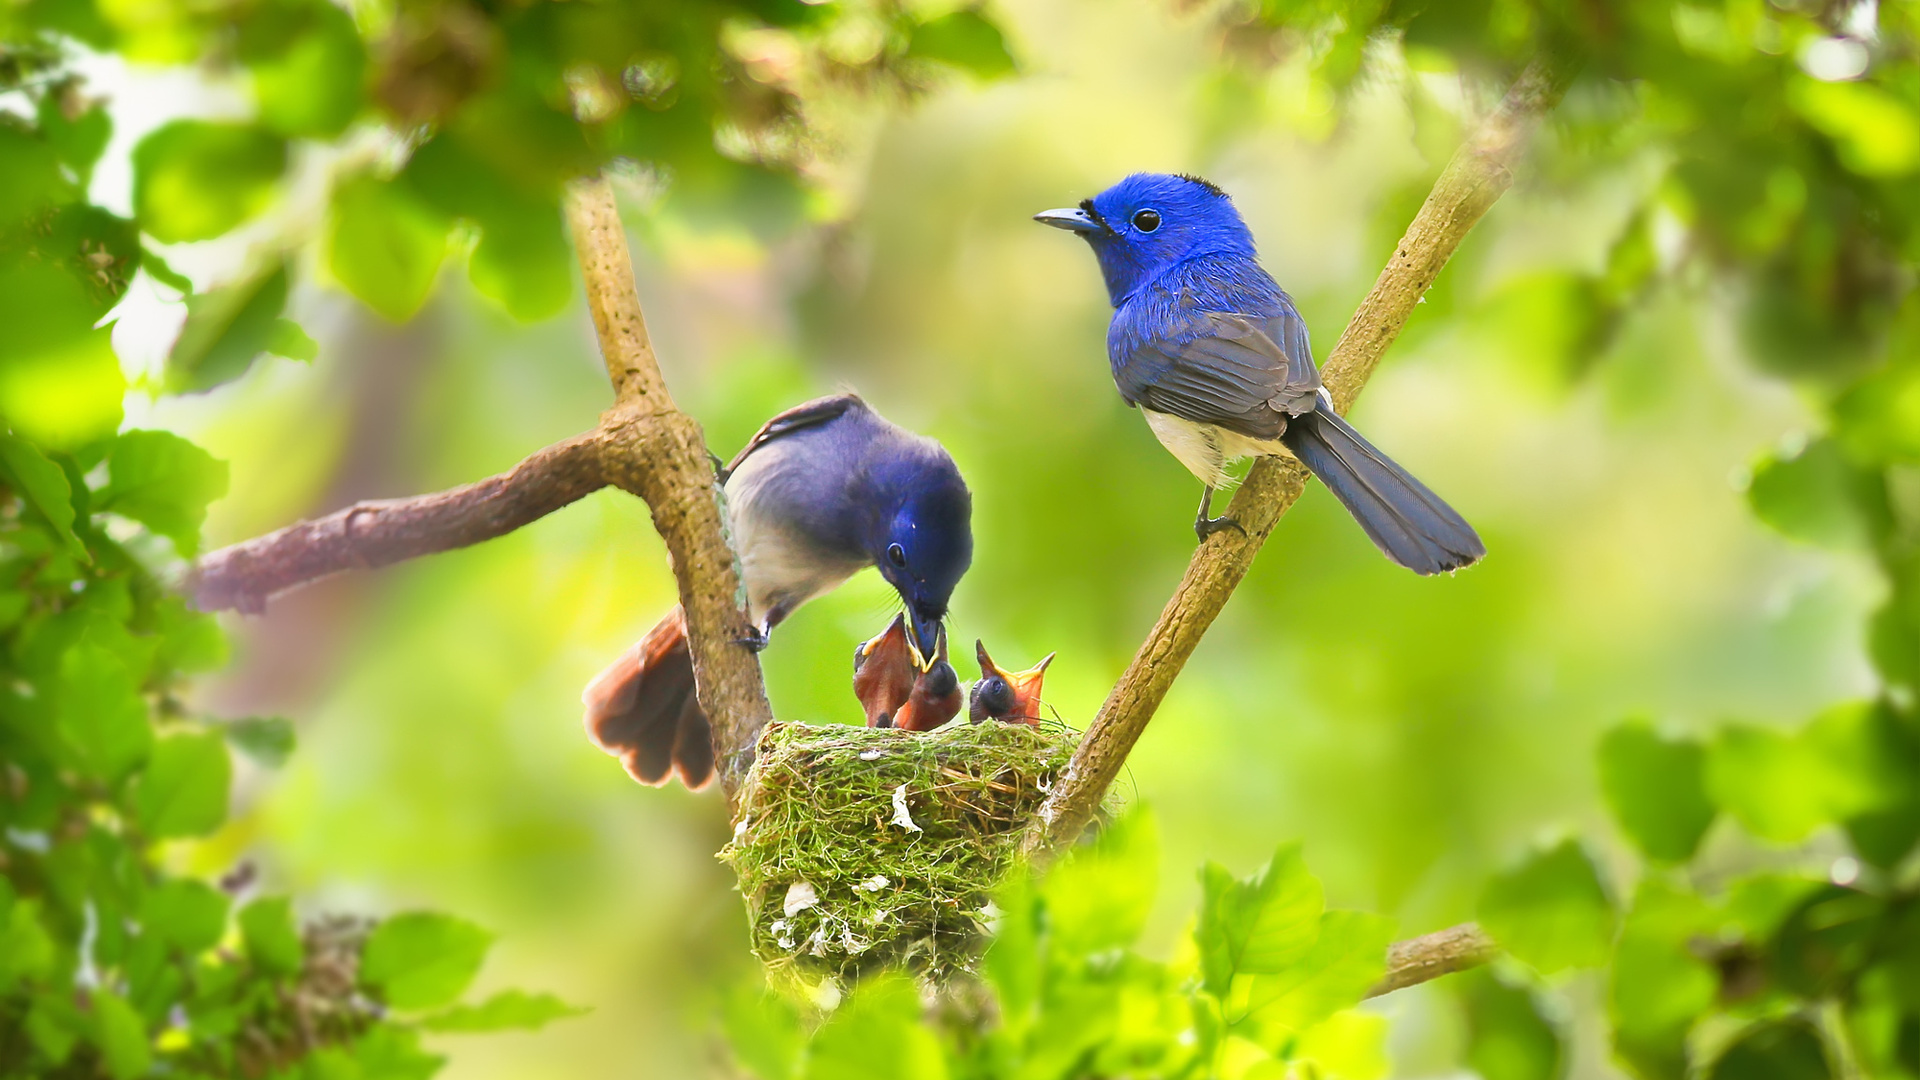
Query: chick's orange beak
1026, 689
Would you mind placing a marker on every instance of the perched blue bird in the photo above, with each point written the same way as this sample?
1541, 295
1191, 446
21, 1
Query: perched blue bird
824, 490
1213, 353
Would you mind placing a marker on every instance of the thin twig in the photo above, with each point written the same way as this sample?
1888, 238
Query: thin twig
1443, 952
1479, 172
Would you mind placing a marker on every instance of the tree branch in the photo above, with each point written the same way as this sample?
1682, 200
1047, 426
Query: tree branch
1473, 180
245, 576
659, 453
644, 445
1443, 952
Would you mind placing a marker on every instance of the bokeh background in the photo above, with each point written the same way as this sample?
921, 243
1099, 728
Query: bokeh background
1415, 733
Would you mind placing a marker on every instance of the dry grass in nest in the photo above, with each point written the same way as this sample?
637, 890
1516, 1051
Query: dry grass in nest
859, 848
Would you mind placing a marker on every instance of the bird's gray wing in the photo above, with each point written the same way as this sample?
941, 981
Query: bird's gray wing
805, 415
1225, 369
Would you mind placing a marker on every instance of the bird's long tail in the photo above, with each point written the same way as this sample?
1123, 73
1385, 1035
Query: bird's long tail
1409, 523
642, 710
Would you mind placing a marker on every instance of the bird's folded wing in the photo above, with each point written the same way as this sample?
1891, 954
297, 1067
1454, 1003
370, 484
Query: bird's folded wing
805, 415
1225, 369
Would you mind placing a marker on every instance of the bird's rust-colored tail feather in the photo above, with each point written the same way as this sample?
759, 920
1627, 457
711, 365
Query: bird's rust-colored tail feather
642, 710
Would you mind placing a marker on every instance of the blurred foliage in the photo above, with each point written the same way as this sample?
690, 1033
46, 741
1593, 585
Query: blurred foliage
1752, 170
110, 965
1266, 983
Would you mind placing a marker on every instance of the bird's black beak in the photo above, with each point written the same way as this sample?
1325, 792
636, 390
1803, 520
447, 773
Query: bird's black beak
928, 642
1072, 219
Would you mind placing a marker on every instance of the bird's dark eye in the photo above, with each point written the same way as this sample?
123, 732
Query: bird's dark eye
1146, 220
897, 555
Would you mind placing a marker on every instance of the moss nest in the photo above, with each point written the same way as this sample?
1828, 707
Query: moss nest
859, 848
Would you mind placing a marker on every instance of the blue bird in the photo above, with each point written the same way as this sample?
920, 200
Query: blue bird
1216, 357
823, 491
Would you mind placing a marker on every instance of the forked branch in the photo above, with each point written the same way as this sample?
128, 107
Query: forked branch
644, 445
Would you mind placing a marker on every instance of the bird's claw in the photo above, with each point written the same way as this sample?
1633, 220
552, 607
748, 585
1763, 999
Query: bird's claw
754, 641
1206, 526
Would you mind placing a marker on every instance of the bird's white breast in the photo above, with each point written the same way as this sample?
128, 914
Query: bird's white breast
1206, 449
778, 567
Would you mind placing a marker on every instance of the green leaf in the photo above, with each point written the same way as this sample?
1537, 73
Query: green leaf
166, 275
308, 67
1550, 910
1657, 789
524, 263
965, 39
268, 740
101, 715
1658, 986
184, 789
422, 960
58, 390
763, 1031
290, 341
1348, 956
121, 1036
1814, 494
1349, 1045
193, 179
44, 486
165, 483
509, 1010
1099, 896
1783, 785
78, 140
876, 1035
189, 915
1774, 1050
1507, 1037
391, 1052
1875, 133
190, 640
1825, 942
55, 1024
385, 245
1260, 925
1878, 419
228, 327
272, 939
27, 951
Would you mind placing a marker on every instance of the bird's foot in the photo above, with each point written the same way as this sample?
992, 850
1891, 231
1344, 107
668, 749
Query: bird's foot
1204, 527
754, 641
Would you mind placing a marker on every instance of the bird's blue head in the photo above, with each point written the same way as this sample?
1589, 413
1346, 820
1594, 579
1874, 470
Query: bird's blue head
1151, 222
923, 543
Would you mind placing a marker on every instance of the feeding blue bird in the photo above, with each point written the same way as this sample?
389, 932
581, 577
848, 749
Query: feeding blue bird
1214, 354
821, 492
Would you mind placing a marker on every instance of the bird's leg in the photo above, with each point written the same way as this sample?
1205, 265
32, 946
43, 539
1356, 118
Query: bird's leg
1205, 526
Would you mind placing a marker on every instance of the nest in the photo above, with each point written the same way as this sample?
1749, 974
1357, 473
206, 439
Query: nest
860, 848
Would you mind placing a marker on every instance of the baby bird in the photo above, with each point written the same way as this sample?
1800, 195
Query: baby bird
1009, 697
894, 692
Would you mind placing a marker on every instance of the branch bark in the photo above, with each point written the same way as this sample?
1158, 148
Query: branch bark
1480, 171
644, 445
1443, 952
366, 535
659, 453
